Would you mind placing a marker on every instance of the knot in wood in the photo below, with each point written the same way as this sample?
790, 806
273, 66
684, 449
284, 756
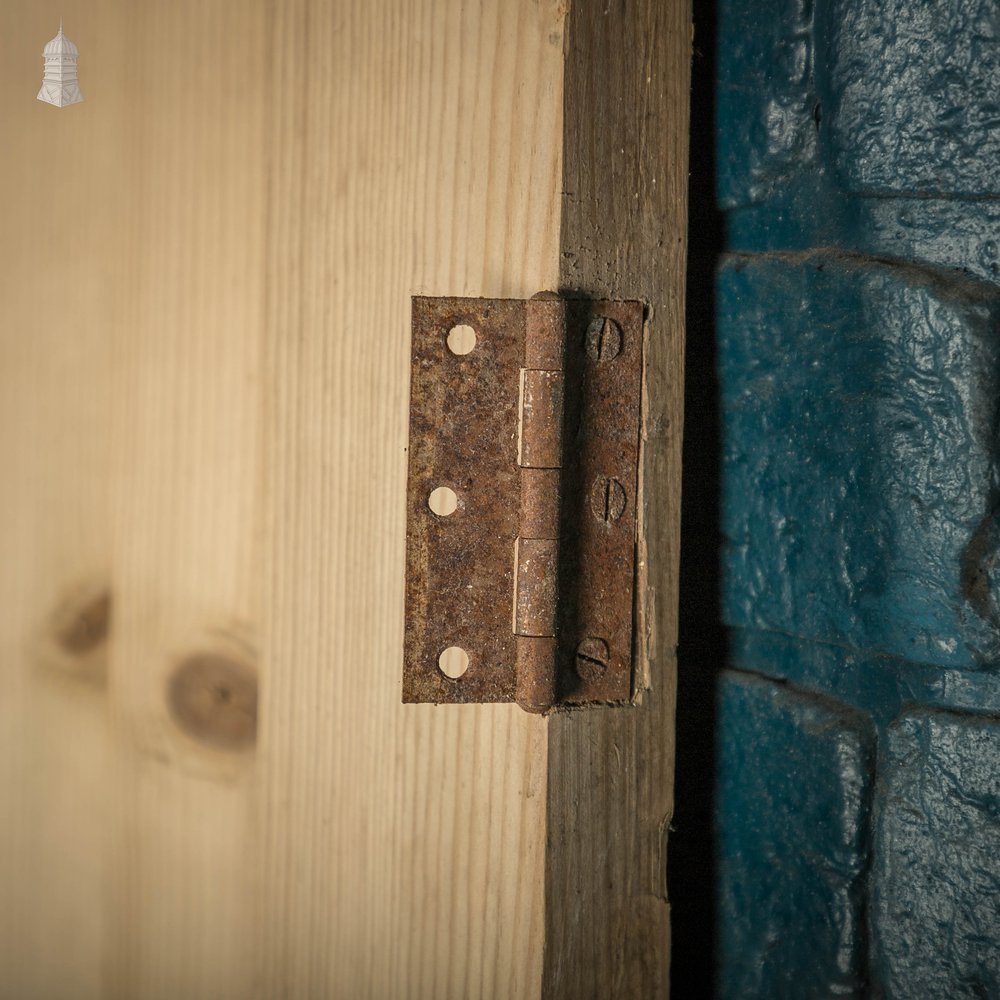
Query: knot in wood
213, 698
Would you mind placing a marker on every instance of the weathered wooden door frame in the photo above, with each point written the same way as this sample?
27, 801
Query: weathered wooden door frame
623, 235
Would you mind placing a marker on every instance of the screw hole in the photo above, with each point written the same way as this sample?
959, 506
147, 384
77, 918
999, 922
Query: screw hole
461, 339
442, 501
453, 662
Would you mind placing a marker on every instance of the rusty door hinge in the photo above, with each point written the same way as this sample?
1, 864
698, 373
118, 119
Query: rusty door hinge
521, 501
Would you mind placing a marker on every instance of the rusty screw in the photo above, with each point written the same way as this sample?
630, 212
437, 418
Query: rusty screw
592, 659
604, 339
607, 499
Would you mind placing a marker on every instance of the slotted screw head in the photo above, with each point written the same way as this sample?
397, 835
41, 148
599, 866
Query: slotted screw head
592, 658
607, 499
604, 339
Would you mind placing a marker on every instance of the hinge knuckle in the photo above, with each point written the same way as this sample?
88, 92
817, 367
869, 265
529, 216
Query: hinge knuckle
535, 587
542, 404
536, 689
540, 494
545, 333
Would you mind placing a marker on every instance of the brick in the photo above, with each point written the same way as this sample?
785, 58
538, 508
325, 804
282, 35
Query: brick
860, 460
793, 809
912, 93
766, 97
936, 901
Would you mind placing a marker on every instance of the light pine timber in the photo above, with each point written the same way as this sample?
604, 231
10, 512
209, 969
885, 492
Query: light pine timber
206, 270
60, 271
624, 230
414, 149
203, 365
181, 885
133, 263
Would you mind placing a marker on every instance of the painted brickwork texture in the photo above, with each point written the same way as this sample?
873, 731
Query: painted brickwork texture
858, 312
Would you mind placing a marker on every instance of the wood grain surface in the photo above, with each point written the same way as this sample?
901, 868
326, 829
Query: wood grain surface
414, 149
209, 785
624, 230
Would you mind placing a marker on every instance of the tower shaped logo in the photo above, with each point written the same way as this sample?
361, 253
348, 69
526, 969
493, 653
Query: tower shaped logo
60, 86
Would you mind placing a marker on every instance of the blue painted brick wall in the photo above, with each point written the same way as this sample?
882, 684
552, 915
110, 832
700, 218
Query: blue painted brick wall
936, 907
858, 315
776, 884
